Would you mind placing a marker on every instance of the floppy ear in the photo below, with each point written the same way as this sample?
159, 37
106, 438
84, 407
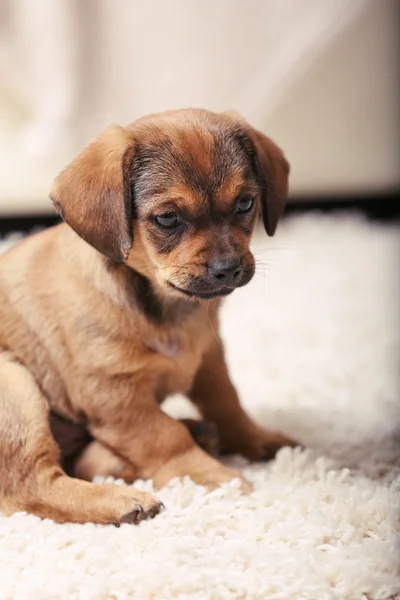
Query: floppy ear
273, 172
93, 193
274, 175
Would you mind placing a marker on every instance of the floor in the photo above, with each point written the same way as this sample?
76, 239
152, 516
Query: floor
313, 345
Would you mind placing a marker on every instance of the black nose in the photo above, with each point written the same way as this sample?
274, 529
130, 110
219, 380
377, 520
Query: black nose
225, 270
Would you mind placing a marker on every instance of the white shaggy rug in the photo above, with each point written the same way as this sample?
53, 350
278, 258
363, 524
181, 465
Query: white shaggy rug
314, 347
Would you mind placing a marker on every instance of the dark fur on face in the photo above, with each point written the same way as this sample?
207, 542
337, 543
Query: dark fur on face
181, 194
197, 169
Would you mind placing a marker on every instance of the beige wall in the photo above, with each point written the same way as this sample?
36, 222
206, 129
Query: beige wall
340, 124
335, 111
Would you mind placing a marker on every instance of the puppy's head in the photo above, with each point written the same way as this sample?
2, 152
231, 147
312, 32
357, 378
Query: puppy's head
176, 197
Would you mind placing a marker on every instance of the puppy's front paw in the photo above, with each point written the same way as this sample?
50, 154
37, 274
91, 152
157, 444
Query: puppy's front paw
255, 443
138, 513
130, 505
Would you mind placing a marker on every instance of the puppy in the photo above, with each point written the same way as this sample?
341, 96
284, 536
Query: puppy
103, 316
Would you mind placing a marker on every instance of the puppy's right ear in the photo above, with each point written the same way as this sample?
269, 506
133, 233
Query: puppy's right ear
93, 193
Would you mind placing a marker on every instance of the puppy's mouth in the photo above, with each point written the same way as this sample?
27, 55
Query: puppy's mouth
225, 291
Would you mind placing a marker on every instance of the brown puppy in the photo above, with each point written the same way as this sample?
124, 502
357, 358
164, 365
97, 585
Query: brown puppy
101, 318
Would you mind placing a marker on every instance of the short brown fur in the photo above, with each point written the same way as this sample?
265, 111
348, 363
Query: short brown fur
104, 316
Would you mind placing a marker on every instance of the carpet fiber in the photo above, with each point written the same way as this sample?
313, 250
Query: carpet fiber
313, 344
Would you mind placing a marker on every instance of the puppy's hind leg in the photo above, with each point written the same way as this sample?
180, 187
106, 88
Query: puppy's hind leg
31, 478
97, 459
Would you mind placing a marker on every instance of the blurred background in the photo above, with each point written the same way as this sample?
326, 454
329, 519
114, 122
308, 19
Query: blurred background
319, 76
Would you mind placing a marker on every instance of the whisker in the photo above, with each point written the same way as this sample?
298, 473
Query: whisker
271, 249
267, 272
268, 262
212, 328
273, 268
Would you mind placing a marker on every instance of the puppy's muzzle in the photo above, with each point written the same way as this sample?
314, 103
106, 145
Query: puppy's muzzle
219, 278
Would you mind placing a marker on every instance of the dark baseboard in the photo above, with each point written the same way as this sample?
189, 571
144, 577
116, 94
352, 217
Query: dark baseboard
26, 223
382, 208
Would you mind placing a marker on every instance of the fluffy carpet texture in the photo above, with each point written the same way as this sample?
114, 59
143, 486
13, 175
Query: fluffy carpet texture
313, 344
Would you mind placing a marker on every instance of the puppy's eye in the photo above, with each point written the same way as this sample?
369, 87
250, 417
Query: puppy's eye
244, 205
168, 220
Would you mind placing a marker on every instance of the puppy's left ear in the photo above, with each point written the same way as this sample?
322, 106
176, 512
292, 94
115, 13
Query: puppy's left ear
273, 173
93, 193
